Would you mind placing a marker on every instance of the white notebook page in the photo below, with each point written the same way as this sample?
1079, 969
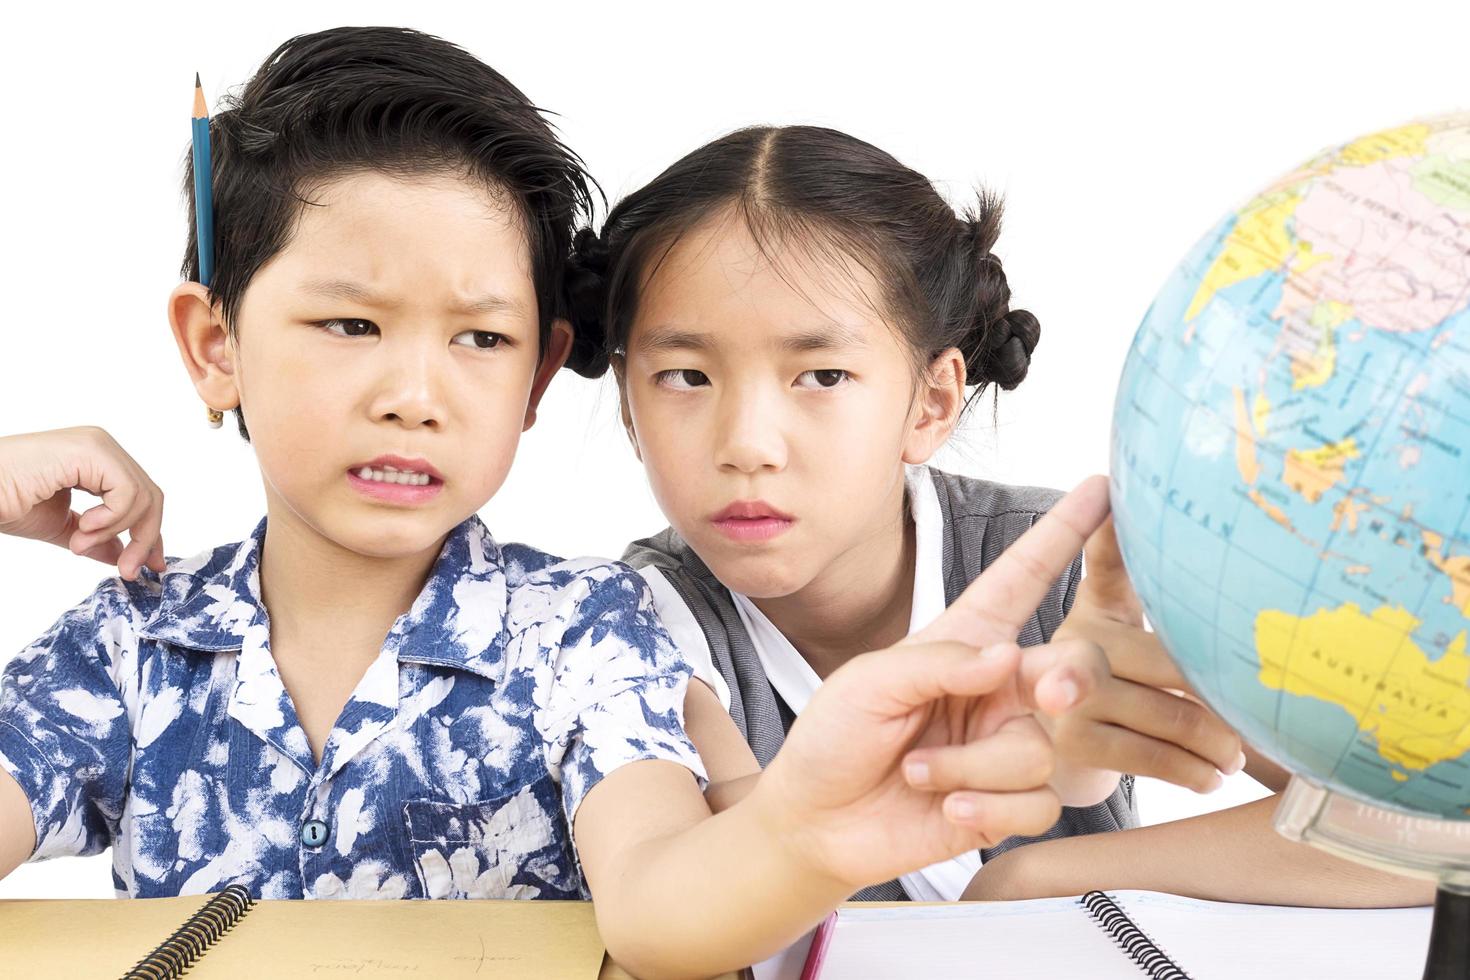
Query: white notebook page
1223, 941
1056, 937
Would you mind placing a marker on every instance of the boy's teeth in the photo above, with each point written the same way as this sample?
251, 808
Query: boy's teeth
390, 475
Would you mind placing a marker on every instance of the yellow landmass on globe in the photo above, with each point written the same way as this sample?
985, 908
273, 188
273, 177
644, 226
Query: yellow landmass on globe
1312, 472
1405, 141
1347, 509
1272, 511
1261, 412
1245, 442
1245, 455
1314, 368
1259, 242
1417, 710
1457, 568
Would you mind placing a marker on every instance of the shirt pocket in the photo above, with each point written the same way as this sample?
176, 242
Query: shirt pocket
516, 846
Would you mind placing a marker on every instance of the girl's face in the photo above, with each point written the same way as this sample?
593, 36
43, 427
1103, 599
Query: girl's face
773, 406
386, 360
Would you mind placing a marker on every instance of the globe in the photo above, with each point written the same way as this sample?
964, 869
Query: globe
1291, 468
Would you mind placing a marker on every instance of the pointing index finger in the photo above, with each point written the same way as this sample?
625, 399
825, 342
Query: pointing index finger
997, 604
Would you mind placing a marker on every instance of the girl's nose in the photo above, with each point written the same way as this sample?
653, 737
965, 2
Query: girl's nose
749, 438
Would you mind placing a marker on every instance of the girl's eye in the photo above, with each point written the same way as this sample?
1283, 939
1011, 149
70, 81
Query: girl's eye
480, 339
829, 378
681, 379
349, 327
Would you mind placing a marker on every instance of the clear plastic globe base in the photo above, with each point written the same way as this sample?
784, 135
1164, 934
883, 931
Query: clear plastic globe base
1398, 842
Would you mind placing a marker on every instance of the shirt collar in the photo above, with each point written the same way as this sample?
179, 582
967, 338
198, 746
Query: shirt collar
209, 602
923, 500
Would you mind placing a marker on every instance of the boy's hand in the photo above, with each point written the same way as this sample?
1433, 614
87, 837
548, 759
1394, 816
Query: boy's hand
1134, 722
911, 755
38, 472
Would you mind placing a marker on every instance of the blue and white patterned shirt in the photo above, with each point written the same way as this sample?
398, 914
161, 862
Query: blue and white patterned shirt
151, 719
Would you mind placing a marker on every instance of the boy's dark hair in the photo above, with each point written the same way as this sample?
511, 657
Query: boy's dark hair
387, 99
823, 190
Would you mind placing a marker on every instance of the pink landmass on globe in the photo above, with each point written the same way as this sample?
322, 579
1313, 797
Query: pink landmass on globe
1396, 257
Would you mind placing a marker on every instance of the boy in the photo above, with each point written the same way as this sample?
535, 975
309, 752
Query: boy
371, 696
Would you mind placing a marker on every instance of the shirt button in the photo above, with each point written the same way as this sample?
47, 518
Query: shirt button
314, 833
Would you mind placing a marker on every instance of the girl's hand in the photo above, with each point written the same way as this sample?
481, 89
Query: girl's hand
38, 472
1144, 719
914, 754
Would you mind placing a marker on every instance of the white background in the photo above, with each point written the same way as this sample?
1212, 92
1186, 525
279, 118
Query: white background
1118, 132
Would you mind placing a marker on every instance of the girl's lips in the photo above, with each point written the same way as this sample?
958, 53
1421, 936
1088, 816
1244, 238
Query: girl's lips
752, 528
395, 493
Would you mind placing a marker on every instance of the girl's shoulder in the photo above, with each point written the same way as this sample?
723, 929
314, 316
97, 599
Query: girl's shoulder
970, 497
980, 519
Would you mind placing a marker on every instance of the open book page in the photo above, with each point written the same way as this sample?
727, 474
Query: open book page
1056, 937
1041, 938
310, 939
1223, 941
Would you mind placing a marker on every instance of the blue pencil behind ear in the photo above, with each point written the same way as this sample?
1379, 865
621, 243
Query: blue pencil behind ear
203, 186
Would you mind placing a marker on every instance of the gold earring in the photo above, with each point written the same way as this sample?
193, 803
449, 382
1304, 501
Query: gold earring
216, 417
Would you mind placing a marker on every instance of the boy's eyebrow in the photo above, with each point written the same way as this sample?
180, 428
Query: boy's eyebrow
358, 293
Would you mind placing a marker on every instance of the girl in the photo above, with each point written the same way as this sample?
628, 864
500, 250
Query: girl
371, 696
793, 318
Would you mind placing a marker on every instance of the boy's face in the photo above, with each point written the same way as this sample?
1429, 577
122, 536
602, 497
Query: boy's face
769, 385
386, 360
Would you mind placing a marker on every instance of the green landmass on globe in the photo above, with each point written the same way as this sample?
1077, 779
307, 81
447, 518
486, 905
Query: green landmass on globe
1291, 468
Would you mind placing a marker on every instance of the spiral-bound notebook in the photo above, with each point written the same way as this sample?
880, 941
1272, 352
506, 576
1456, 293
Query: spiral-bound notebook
227, 936
1127, 935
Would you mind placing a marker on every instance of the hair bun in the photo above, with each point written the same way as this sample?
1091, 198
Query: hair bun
1000, 340
586, 297
1011, 340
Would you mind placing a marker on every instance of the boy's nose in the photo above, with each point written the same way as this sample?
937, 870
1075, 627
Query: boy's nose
409, 394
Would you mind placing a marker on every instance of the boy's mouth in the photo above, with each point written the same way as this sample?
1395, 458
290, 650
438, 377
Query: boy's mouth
396, 479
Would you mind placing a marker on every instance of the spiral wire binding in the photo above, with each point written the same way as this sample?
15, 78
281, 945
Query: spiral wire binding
1131, 939
202, 930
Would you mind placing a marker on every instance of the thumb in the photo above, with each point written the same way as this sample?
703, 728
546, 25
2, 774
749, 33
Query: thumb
893, 682
1105, 585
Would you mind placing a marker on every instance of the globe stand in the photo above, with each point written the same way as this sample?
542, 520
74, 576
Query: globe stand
1397, 842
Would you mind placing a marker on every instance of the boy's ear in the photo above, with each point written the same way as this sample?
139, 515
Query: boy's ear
204, 345
937, 407
558, 348
620, 371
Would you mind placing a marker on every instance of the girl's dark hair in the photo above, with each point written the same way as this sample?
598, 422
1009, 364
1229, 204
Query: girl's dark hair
386, 99
821, 189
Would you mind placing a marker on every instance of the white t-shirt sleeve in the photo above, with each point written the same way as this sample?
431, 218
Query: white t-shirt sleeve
686, 632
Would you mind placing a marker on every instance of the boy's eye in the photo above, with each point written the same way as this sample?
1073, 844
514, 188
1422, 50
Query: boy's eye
828, 378
349, 327
681, 379
480, 339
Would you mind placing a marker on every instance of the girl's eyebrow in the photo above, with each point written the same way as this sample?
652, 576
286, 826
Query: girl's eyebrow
830, 337
659, 340
357, 293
